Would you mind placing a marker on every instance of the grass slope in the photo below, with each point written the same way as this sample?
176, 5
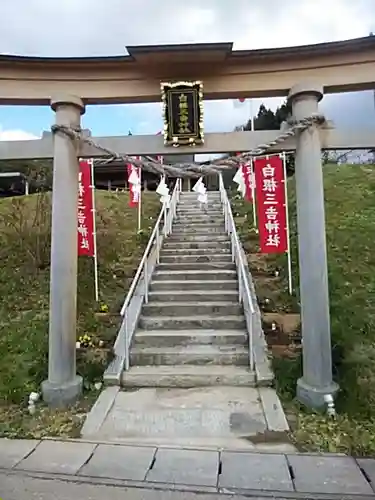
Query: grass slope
350, 228
24, 299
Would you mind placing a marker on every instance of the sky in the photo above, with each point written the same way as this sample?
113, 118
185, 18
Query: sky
100, 28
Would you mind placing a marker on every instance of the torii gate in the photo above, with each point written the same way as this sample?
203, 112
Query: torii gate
302, 73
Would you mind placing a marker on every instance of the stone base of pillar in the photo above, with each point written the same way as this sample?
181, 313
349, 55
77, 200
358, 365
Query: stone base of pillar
62, 395
313, 397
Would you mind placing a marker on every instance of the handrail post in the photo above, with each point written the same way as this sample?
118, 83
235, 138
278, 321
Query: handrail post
240, 284
251, 353
126, 346
145, 274
157, 245
165, 221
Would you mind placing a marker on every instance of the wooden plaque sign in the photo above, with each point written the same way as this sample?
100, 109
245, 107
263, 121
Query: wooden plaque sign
182, 113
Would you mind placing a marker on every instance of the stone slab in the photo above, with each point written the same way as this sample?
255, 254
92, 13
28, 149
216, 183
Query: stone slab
58, 457
368, 466
189, 467
328, 475
13, 451
203, 412
252, 471
119, 462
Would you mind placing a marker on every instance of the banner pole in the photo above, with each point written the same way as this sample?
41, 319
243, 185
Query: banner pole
140, 199
255, 223
290, 284
96, 278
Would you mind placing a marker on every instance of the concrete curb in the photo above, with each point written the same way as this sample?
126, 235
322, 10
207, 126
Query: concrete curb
99, 411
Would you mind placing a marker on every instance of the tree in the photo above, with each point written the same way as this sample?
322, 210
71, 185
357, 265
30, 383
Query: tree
266, 119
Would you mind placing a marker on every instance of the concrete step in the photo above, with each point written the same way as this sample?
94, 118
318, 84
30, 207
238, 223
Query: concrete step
203, 418
195, 258
200, 219
199, 230
199, 275
194, 285
182, 338
188, 376
196, 225
190, 355
194, 244
206, 308
223, 250
195, 214
192, 237
192, 205
196, 266
236, 322
193, 295
213, 193
211, 210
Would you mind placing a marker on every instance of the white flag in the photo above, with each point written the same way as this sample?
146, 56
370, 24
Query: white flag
133, 177
238, 178
163, 192
202, 198
162, 189
197, 185
165, 200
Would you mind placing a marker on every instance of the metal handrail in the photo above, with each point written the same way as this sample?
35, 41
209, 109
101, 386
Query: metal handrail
237, 256
167, 215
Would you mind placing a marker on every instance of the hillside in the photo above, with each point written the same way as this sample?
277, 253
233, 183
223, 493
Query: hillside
350, 227
24, 298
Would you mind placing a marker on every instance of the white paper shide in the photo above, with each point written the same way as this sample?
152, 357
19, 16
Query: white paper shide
240, 181
163, 191
201, 191
135, 181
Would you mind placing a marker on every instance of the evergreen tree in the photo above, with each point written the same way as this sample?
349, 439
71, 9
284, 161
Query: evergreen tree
266, 119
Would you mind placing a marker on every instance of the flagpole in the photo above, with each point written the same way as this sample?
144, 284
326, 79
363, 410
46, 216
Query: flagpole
290, 284
251, 114
96, 277
140, 200
255, 223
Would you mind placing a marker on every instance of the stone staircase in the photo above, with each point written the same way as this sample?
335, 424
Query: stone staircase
192, 332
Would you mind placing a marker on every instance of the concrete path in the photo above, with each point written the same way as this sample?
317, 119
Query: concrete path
221, 417
18, 487
276, 475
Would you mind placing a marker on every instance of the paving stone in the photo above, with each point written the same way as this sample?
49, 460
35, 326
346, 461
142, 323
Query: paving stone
119, 462
252, 471
13, 451
329, 475
189, 467
368, 465
58, 457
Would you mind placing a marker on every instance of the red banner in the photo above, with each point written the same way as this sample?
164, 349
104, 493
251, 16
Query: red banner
133, 194
270, 196
85, 210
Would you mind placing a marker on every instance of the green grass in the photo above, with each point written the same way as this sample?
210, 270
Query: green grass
24, 300
350, 228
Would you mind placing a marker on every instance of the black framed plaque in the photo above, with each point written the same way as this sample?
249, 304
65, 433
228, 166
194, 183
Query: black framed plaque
182, 113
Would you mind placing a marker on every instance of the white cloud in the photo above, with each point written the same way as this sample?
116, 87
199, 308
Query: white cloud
97, 27
94, 27
16, 135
